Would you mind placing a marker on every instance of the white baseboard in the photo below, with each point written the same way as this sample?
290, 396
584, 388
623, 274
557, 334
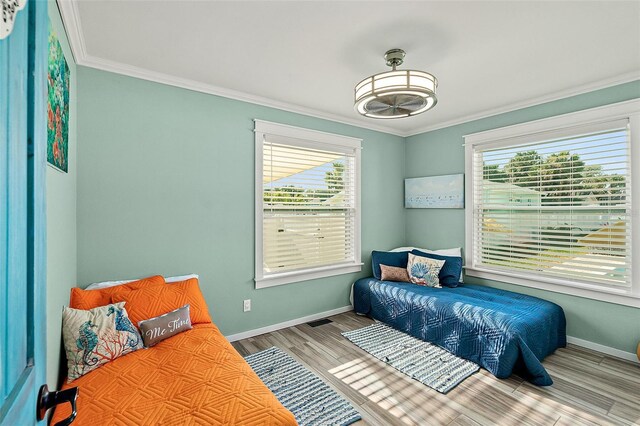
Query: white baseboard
629, 356
286, 324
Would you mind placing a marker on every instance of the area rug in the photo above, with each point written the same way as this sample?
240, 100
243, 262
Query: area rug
422, 361
311, 400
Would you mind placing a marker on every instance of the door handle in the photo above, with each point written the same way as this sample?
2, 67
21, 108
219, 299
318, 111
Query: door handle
47, 399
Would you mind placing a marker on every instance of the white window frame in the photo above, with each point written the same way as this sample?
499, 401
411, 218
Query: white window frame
312, 139
629, 110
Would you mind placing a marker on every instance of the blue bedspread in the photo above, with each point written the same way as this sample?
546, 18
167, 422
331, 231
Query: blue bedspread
502, 331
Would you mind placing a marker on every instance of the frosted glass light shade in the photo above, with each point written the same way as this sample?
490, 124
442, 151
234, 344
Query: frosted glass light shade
396, 94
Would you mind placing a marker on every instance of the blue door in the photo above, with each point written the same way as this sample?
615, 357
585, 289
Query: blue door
23, 56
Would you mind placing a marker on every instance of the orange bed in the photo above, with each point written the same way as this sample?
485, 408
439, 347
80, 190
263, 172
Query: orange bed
195, 377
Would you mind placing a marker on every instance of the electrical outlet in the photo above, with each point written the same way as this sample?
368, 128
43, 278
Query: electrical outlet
246, 306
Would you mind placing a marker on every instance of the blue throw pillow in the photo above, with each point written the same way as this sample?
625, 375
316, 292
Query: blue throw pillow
389, 258
450, 273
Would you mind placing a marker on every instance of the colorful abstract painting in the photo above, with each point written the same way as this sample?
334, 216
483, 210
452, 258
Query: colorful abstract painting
58, 106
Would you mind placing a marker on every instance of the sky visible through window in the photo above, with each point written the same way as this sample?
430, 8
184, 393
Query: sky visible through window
589, 149
306, 178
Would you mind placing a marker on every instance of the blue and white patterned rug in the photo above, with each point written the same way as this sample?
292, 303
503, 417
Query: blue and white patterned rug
311, 400
422, 361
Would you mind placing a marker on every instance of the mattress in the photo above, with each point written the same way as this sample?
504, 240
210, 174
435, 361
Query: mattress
502, 331
195, 377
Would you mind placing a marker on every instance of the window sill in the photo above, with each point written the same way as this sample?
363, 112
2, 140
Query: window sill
617, 296
308, 274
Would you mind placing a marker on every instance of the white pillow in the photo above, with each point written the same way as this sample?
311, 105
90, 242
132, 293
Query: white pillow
106, 284
181, 278
455, 252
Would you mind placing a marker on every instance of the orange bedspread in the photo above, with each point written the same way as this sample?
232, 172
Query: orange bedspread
195, 377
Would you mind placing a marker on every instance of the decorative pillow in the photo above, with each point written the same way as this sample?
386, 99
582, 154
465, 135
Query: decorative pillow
453, 252
150, 302
424, 271
387, 258
157, 329
89, 299
394, 273
451, 270
97, 336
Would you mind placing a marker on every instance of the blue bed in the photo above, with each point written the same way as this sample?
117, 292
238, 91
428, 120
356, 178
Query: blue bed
502, 331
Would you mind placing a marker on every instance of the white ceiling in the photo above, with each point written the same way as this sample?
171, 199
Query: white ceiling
306, 56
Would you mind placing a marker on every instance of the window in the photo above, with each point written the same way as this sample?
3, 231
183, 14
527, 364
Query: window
307, 204
551, 203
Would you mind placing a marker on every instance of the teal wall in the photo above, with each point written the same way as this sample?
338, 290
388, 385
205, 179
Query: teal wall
441, 152
61, 222
166, 186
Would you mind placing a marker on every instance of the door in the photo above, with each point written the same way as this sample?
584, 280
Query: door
23, 56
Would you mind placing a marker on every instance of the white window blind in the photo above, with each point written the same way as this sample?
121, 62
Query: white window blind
309, 206
556, 204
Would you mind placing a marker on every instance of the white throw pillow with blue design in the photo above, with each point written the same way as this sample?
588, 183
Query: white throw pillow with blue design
97, 336
424, 271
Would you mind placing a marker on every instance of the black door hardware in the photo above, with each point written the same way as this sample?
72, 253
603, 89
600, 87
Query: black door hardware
48, 399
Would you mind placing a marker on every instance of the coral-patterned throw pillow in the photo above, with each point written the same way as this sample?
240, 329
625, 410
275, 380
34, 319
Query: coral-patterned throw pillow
89, 299
150, 302
424, 270
97, 336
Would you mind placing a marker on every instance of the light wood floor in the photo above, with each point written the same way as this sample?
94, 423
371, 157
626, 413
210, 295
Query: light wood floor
589, 387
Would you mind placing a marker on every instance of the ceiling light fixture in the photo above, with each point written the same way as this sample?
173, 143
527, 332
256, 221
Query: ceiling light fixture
396, 94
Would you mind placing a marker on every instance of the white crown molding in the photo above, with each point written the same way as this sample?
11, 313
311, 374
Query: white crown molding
574, 91
71, 20
145, 74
